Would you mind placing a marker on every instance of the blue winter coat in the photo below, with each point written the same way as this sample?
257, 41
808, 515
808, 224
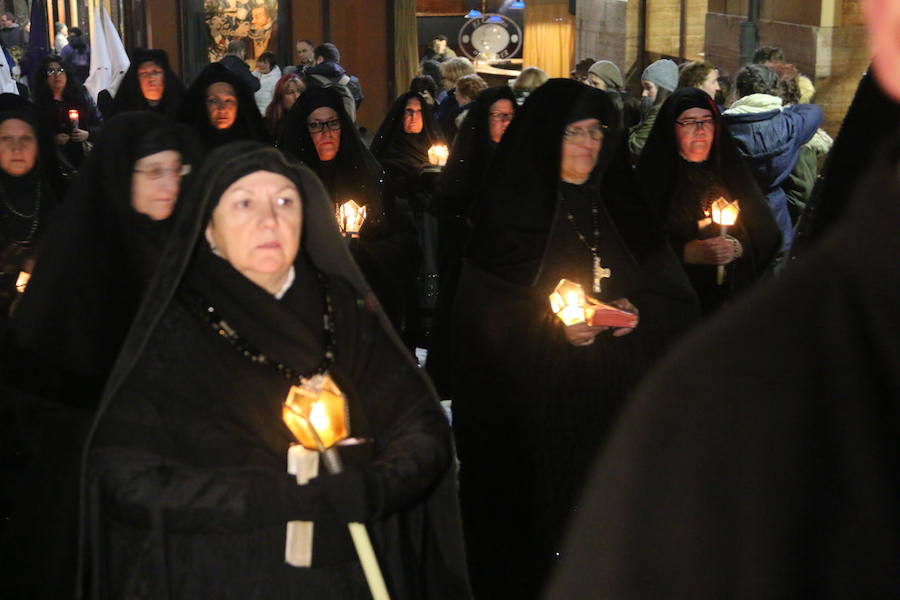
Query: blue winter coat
771, 143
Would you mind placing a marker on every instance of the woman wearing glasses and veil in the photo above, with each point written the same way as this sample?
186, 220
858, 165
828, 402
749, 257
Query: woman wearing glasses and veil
690, 161
534, 398
319, 132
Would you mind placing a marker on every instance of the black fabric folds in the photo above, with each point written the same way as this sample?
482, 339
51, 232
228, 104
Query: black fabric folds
681, 193
187, 492
761, 459
129, 95
247, 126
529, 408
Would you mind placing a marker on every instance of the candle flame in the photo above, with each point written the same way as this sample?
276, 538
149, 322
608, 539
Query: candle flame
318, 418
22, 280
316, 406
568, 302
438, 154
350, 217
724, 212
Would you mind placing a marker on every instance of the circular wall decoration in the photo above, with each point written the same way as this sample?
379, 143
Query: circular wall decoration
490, 37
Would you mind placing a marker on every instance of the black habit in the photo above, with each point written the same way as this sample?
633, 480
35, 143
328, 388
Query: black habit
529, 408
761, 459
187, 490
682, 192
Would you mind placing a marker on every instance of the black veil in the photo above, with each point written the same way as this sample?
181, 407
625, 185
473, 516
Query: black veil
129, 95
403, 152
247, 126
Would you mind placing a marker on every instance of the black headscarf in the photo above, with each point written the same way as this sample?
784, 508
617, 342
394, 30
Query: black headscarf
510, 235
353, 173
129, 95
404, 153
662, 174
470, 155
287, 329
872, 118
248, 125
100, 254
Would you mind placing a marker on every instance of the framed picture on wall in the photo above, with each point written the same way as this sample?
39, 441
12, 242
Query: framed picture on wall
252, 22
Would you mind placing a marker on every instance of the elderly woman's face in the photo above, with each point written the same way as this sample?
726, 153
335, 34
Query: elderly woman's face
18, 147
582, 141
152, 79
256, 227
155, 182
326, 140
412, 116
695, 132
221, 105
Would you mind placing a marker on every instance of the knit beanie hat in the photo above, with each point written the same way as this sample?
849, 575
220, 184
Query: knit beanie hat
609, 73
663, 73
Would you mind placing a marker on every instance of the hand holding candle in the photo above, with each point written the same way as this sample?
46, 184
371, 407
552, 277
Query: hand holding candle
725, 214
572, 306
438, 154
350, 217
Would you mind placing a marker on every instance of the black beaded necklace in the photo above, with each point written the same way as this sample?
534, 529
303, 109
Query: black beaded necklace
34, 216
598, 271
208, 313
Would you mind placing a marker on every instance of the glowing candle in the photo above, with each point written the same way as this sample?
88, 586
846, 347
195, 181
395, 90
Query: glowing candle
725, 214
350, 217
73, 118
438, 154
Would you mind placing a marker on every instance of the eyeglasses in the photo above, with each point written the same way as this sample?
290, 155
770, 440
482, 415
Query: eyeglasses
150, 74
577, 134
319, 126
55, 71
501, 116
220, 103
698, 124
412, 112
160, 172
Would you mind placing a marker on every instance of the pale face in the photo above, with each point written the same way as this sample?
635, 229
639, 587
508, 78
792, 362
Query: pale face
412, 116
152, 80
155, 183
326, 141
290, 95
710, 85
256, 227
56, 78
18, 147
221, 105
649, 90
580, 152
595, 82
500, 115
304, 53
695, 141
439, 46
264, 67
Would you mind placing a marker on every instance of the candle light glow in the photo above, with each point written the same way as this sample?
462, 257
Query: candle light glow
321, 407
350, 217
22, 281
438, 154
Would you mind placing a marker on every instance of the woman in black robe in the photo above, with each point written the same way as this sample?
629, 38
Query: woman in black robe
681, 179
56, 93
98, 258
387, 249
188, 493
29, 188
149, 84
533, 398
220, 109
467, 167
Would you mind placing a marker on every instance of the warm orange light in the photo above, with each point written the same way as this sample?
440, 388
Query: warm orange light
438, 154
22, 281
725, 212
319, 405
350, 217
569, 303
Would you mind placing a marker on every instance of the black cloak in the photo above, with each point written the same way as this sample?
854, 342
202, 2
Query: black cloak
404, 155
871, 118
55, 113
26, 204
529, 408
129, 95
187, 493
248, 125
387, 249
761, 459
681, 192
97, 259
460, 180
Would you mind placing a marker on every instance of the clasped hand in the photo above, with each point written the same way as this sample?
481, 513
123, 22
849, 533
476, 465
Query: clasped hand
583, 334
711, 251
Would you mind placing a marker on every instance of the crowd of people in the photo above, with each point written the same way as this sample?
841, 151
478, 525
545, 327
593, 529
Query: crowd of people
172, 273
